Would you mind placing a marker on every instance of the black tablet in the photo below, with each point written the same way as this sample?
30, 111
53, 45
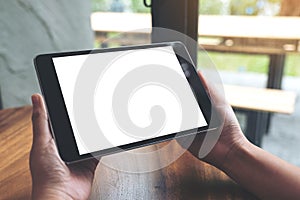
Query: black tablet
105, 101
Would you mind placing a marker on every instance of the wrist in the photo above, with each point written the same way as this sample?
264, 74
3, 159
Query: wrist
224, 153
236, 153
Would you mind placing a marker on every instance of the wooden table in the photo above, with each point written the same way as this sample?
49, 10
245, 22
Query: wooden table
186, 178
15, 143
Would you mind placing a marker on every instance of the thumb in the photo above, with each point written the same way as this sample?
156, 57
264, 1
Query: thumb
215, 91
41, 131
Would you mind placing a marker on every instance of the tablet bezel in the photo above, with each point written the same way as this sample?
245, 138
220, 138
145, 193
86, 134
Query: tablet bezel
58, 115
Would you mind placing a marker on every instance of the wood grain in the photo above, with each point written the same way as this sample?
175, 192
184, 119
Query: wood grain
15, 144
186, 178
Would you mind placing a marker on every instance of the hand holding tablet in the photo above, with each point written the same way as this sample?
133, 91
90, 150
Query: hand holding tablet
103, 101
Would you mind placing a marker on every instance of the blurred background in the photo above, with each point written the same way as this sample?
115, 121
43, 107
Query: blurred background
246, 39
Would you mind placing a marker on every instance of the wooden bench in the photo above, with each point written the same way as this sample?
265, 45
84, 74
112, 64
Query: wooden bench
256, 103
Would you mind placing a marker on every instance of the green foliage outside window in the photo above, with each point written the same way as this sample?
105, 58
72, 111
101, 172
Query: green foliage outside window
139, 7
210, 7
100, 5
239, 7
254, 7
207, 7
136, 6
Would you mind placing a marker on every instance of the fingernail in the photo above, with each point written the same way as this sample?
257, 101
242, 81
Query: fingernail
34, 99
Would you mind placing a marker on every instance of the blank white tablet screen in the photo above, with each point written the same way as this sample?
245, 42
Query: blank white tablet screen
115, 66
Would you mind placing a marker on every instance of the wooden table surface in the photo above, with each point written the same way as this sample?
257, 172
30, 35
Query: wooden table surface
186, 178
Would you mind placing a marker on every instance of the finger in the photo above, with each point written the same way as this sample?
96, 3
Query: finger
41, 132
215, 91
203, 80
